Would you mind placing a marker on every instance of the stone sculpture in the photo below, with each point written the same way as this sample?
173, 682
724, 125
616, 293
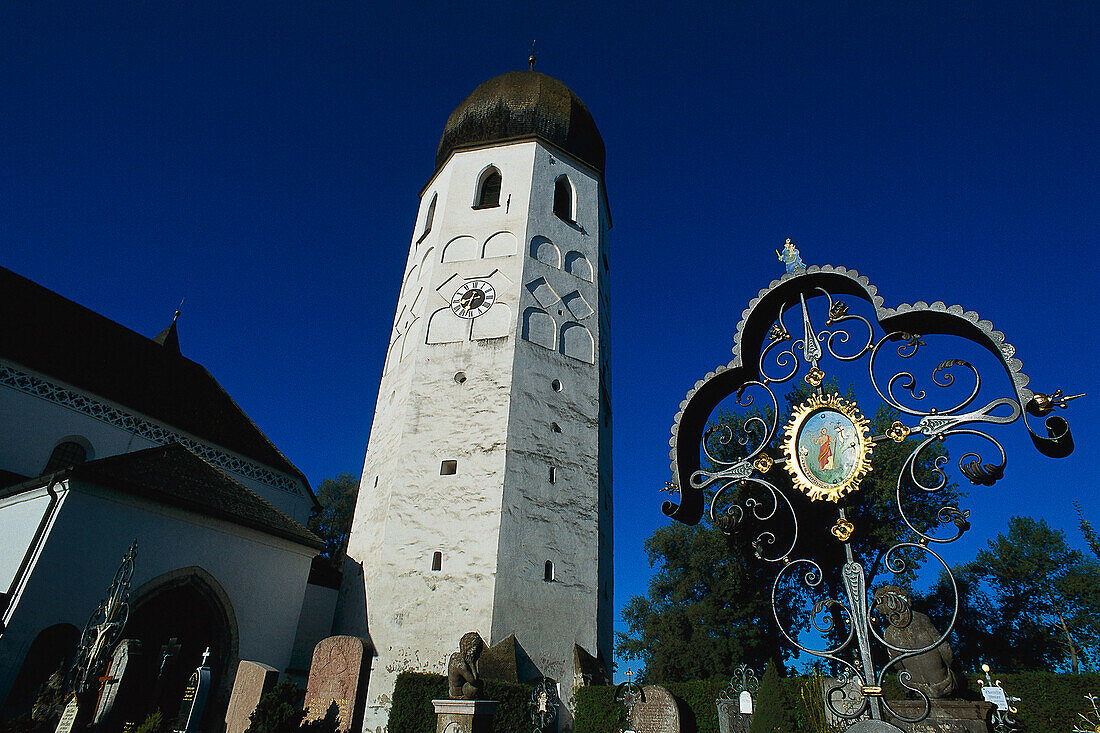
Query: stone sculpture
463, 681
930, 671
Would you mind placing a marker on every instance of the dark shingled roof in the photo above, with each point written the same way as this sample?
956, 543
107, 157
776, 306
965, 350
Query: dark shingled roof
174, 476
523, 104
54, 336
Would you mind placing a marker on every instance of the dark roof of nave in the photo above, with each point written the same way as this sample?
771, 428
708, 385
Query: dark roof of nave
174, 476
519, 105
54, 336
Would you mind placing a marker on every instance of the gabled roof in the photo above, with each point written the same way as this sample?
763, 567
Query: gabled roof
174, 476
56, 337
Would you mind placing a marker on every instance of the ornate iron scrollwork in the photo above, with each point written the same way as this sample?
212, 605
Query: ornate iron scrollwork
104, 627
827, 449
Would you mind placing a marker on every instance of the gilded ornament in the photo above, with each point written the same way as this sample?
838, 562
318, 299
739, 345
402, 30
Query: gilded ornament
838, 311
843, 530
778, 333
827, 446
897, 432
764, 463
814, 377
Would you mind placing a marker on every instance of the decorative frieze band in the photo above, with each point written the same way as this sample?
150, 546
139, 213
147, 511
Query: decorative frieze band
38, 387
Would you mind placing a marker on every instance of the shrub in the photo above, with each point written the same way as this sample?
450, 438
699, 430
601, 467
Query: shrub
412, 712
279, 711
153, 723
772, 711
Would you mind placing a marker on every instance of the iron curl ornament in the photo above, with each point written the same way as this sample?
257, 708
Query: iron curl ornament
827, 448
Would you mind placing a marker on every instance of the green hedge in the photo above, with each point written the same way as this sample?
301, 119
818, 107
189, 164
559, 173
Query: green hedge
411, 711
1050, 703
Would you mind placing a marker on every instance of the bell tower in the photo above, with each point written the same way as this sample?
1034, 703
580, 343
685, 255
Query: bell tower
485, 503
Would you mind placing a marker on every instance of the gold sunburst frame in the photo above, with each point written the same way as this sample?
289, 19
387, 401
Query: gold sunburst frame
857, 449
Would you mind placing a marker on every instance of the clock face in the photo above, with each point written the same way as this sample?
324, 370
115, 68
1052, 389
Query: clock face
473, 298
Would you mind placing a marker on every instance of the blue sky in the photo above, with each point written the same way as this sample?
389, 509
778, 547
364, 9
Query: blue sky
263, 160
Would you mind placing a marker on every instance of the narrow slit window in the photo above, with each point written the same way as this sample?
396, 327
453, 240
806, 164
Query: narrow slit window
553, 474
548, 571
488, 190
448, 468
563, 199
437, 561
429, 218
555, 428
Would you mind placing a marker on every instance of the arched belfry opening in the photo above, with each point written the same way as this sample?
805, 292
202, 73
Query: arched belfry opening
180, 614
488, 189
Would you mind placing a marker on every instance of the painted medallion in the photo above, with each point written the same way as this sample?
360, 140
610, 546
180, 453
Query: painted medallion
827, 447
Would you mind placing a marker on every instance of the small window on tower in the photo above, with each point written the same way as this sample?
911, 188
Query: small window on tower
65, 455
553, 474
428, 219
488, 189
563, 199
555, 428
548, 571
448, 468
437, 561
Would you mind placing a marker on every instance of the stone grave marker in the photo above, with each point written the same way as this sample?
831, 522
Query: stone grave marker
847, 700
194, 698
118, 692
657, 714
336, 677
68, 716
253, 681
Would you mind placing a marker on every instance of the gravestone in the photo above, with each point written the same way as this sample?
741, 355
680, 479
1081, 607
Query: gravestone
68, 716
658, 713
253, 681
336, 677
194, 698
118, 699
847, 699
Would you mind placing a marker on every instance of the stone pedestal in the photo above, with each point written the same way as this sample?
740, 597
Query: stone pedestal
464, 716
946, 716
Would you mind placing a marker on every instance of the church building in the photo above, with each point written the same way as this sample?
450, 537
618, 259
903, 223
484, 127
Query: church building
108, 437
485, 501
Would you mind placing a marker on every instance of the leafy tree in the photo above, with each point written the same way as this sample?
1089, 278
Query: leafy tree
1088, 531
978, 635
332, 522
704, 614
1044, 591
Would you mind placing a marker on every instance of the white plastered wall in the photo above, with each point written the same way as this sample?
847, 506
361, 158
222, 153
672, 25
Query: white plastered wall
474, 393
263, 576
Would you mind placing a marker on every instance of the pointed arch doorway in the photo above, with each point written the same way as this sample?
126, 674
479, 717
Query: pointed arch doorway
177, 616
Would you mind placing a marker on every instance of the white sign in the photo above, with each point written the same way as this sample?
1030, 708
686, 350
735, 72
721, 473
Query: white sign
996, 695
745, 702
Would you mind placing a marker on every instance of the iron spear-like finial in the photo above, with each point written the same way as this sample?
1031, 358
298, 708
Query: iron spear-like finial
531, 58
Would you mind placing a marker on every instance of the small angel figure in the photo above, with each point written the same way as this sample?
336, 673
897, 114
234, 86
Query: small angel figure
790, 257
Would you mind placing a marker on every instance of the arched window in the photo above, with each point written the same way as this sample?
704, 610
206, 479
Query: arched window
563, 199
66, 455
548, 571
488, 189
428, 219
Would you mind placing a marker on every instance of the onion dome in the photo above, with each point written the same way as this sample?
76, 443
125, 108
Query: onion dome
519, 105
